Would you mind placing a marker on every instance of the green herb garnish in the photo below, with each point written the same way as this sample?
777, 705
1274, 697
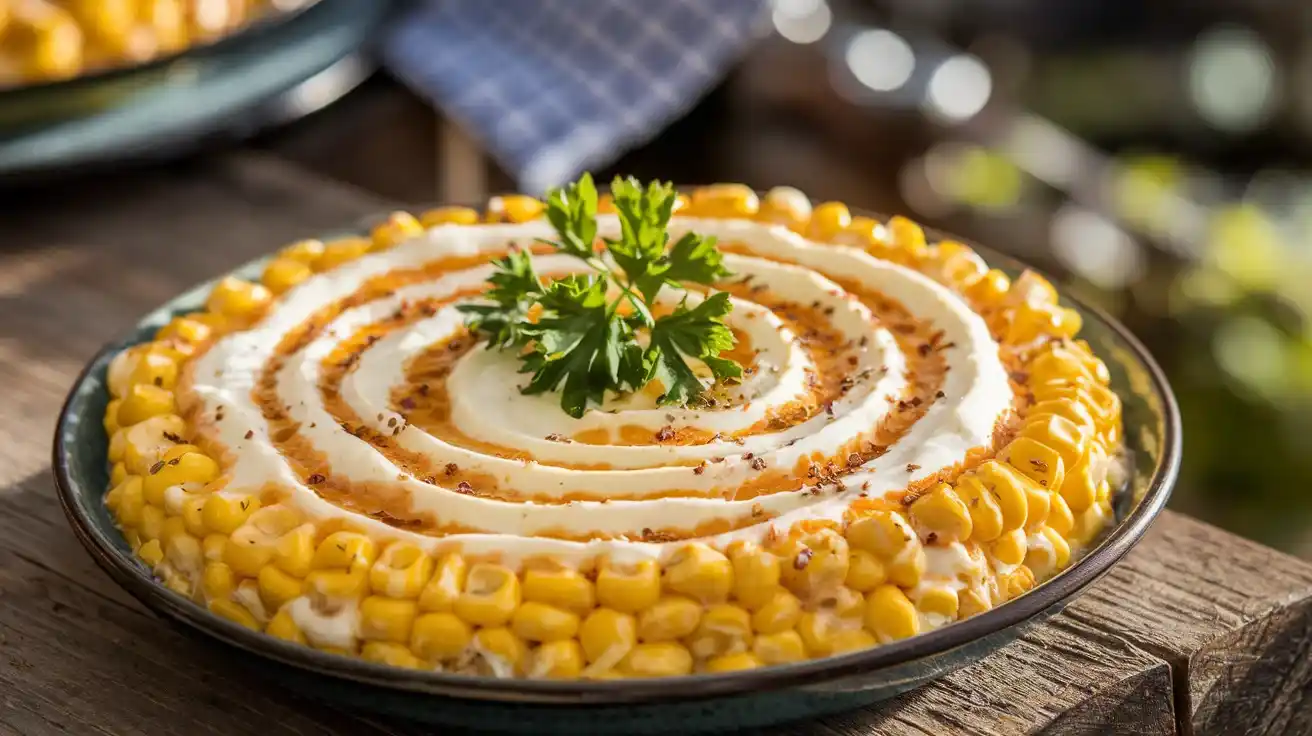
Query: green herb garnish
587, 327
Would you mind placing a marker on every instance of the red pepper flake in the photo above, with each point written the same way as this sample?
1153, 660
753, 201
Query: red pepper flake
315, 479
757, 511
758, 464
748, 455
939, 395
423, 389
699, 469
249, 434
451, 469
803, 559
923, 349
464, 487
912, 467
665, 434
931, 538
554, 437
854, 460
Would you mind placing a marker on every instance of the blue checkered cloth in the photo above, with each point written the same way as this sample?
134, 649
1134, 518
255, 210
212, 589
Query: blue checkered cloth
551, 88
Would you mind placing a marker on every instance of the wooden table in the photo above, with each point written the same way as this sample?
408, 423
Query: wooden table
1197, 631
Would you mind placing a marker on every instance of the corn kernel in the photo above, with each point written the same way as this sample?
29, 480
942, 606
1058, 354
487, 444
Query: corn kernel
238, 300
155, 369
193, 509
145, 443
151, 553
174, 526
225, 514
733, 662
628, 589
277, 587
502, 650
144, 401
1060, 518
517, 208
389, 653
305, 251
1008, 488
235, 613
1048, 552
542, 622
780, 613
440, 636
607, 636
989, 290
491, 595
247, 551
939, 602
890, 615
942, 514
445, 585
397, 228
1080, 488
780, 648
129, 502
185, 331
284, 273
699, 572
815, 563
824, 633
1011, 547
449, 216
908, 568
672, 617
401, 571
344, 551
954, 264
213, 545
293, 553
755, 575
1017, 583
110, 422
1032, 289
151, 525
118, 444
882, 533
724, 200
557, 660
864, 571
1036, 461
387, 619
560, 587
283, 626
785, 206
985, 514
345, 584
658, 659
724, 629
908, 237
827, 221
970, 603
190, 467
340, 251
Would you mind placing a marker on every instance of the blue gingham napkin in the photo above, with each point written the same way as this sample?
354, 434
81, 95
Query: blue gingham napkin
553, 87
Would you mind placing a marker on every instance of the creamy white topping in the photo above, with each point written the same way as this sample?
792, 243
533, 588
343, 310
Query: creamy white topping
487, 406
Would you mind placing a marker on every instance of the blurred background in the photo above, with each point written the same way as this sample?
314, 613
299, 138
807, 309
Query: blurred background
1155, 156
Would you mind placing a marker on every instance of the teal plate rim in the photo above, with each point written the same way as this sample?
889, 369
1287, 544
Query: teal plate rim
112, 555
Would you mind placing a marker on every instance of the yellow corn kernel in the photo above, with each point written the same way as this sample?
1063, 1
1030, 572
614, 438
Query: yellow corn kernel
815, 563
293, 553
607, 636
189, 467
281, 274
700, 572
132, 538
238, 300
445, 585
1090, 523
144, 401
213, 545
501, 646
970, 603
939, 602
1008, 488
1011, 547
235, 613
724, 629
1035, 460
954, 264
449, 216
864, 571
277, 587
155, 369
985, 514
397, 228
755, 575
193, 509
305, 251
387, 619
723, 200
989, 290
389, 653
247, 551
1080, 488
823, 633
187, 331
110, 422
542, 622
340, 251
1049, 555
401, 571
672, 617
780, 613
863, 233
152, 522
733, 662
1059, 362
346, 584
560, 587
557, 660
1058, 433
943, 515
657, 659
890, 615
785, 206
283, 626
225, 514
118, 376
440, 636
908, 568
519, 207
491, 595
118, 447
1033, 289
145, 443
779, 648
174, 526
1017, 583
850, 640
629, 589
151, 553
907, 236
1030, 322
884, 534
1060, 517
827, 221
129, 502
344, 551
1039, 501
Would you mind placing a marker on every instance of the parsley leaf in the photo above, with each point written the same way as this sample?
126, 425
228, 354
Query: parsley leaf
582, 338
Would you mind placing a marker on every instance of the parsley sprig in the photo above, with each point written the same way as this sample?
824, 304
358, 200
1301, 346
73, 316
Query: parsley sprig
595, 332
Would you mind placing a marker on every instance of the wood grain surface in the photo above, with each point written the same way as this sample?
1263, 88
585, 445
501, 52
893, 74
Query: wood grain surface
1195, 622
